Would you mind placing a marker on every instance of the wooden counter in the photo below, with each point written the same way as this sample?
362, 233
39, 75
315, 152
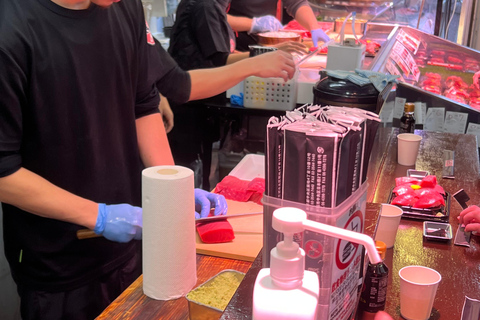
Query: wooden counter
133, 304
459, 266
383, 166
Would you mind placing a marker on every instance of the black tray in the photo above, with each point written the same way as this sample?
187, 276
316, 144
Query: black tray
429, 214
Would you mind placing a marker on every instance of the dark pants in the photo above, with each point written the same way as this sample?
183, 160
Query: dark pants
84, 303
195, 130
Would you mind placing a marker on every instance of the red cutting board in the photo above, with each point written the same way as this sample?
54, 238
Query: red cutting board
248, 232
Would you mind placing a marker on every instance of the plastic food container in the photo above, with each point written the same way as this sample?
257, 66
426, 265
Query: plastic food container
437, 231
250, 167
209, 300
359, 27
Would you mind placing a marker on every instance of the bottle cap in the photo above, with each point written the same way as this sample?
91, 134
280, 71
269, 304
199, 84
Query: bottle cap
409, 107
381, 248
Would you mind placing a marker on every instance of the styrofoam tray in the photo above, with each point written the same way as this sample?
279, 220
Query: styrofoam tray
250, 167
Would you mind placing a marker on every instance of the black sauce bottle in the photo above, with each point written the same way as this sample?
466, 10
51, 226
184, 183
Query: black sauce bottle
374, 291
407, 121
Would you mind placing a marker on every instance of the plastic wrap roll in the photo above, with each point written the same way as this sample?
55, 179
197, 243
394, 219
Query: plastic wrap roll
169, 256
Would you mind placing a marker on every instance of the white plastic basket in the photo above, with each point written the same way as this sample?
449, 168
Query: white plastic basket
270, 93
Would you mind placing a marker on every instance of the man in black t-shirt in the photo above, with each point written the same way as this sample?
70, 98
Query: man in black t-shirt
78, 122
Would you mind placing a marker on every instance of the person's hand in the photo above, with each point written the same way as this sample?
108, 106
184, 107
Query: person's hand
119, 222
470, 217
292, 47
382, 315
206, 200
264, 24
319, 34
273, 64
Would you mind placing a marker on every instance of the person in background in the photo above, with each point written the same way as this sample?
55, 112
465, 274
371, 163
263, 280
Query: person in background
470, 217
202, 38
248, 17
79, 120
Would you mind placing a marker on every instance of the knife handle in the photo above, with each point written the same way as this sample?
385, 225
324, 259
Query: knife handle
86, 234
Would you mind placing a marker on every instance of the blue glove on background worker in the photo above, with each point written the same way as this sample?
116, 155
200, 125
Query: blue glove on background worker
264, 24
319, 34
123, 222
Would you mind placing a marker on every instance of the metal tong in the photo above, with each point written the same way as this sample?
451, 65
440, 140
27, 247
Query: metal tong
307, 57
462, 238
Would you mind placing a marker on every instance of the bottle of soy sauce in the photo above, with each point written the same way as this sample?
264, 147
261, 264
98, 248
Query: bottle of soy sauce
374, 291
407, 121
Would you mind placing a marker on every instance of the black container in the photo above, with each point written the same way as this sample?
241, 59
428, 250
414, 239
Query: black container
329, 91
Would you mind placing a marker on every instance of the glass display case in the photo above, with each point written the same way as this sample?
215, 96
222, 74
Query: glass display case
441, 75
420, 14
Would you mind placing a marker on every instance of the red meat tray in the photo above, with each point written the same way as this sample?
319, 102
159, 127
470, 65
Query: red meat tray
439, 214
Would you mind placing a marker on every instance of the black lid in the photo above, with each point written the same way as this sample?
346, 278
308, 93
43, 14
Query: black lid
344, 92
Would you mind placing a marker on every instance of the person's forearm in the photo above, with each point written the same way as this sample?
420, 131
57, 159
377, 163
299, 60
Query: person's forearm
210, 82
306, 18
152, 141
239, 24
234, 57
32, 193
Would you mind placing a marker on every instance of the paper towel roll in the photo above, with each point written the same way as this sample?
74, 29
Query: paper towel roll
169, 256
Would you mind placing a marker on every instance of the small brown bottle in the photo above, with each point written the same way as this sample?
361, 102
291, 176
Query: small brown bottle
374, 291
407, 121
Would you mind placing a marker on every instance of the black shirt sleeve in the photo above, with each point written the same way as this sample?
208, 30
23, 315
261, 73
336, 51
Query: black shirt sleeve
171, 81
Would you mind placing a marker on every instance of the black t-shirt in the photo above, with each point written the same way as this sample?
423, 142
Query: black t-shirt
72, 83
172, 81
201, 36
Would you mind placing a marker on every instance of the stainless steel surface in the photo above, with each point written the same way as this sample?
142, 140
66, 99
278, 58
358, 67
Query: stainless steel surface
462, 238
466, 22
359, 26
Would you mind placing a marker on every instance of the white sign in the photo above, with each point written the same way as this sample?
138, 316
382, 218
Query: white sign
474, 128
399, 107
455, 122
434, 119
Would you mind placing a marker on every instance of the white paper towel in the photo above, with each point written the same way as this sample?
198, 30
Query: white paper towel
169, 256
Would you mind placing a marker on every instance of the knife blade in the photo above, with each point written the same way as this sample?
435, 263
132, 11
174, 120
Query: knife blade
87, 233
224, 217
462, 237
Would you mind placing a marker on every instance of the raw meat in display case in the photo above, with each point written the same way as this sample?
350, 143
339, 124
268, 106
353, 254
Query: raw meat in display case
433, 70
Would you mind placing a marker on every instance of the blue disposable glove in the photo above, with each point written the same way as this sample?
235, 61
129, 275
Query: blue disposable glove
319, 34
264, 24
119, 222
207, 200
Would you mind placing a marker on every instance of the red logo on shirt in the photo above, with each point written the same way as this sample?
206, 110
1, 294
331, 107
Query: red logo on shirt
150, 39
232, 45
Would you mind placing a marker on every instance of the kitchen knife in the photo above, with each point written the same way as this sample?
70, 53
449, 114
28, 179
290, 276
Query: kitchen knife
224, 217
87, 233
462, 238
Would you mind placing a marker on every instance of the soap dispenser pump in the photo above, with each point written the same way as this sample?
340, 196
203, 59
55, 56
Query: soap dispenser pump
286, 290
